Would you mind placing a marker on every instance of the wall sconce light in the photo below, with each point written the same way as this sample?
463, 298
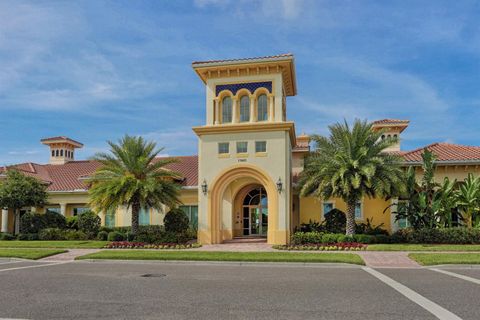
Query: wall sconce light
279, 185
204, 187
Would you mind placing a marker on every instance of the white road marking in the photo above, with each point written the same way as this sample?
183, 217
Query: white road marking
453, 274
430, 306
35, 266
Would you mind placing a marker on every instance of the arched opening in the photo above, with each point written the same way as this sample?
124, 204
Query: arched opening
255, 212
227, 199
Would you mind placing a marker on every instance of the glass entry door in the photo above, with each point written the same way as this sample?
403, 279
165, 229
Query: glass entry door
255, 213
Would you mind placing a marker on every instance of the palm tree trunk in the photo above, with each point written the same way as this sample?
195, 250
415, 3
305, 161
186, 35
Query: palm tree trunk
135, 213
350, 230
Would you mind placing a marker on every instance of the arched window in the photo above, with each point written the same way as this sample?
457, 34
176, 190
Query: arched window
227, 110
262, 111
61, 153
56, 153
244, 109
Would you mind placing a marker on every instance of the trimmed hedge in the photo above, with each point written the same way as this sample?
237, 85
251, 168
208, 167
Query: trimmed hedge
456, 235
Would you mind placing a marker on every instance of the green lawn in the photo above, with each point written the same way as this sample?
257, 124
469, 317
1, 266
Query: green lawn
81, 244
225, 256
430, 259
423, 247
28, 253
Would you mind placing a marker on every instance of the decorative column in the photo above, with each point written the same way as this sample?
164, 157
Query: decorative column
235, 110
253, 118
4, 220
271, 112
216, 111
63, 209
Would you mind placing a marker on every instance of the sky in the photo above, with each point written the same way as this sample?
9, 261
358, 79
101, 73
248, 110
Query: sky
96, 70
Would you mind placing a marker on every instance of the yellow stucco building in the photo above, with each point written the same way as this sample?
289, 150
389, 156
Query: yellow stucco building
242, 182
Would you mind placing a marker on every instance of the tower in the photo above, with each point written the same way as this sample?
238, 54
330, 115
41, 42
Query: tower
245, 149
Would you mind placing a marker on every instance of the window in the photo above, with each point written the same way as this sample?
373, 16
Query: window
56, 153
402, 206
260, 146
192, 214
110, 219
327, 207
358, 210
53, 153
78, 211
262, 112
61, 153
242, 147
244, 109
227, 110
144, 217
223, 148
54, 210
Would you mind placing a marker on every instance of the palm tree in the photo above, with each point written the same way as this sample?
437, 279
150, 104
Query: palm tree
468, 199
131, 175
349, 164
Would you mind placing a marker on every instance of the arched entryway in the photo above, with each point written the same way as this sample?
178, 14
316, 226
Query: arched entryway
254, 212
223, 218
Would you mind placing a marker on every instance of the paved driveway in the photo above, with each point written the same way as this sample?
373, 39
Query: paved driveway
159, 290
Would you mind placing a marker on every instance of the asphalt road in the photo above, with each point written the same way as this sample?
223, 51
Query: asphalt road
120, 290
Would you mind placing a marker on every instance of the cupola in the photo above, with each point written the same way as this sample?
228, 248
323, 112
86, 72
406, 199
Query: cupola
392, 129
62, 149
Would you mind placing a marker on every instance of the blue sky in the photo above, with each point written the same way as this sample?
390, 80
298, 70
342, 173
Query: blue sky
95, 70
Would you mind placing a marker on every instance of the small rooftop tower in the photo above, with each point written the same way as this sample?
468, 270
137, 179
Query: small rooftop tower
62, 149
393, 128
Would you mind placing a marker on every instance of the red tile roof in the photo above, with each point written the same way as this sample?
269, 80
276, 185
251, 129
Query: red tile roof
71, 175
285, 55
61, 138
446, 152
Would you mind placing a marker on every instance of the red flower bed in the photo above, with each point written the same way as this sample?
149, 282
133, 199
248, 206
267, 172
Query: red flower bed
343, 246
143, 245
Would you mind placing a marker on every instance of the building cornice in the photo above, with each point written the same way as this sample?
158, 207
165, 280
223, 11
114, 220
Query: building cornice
248, 127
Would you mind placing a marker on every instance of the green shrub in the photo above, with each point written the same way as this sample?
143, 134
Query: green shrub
75, 235
150, 234
331, 237
51, 234
54, 220
382, 238
27, 236
312, 226
306, 237
335, 221
7, 236
116, 236
102, 236
105, 229
72, 223
369, 228
345, 239
89, 223
32, 223
364, 238
176, 221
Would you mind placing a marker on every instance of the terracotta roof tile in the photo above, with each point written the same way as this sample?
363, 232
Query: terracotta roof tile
70, 176
445, 152
61, 138
285, 55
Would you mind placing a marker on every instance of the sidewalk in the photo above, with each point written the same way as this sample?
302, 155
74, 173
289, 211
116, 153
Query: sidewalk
70, 255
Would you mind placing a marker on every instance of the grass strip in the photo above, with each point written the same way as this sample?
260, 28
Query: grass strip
430, 259
73, 244
226, 256
423, 247
32, 254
